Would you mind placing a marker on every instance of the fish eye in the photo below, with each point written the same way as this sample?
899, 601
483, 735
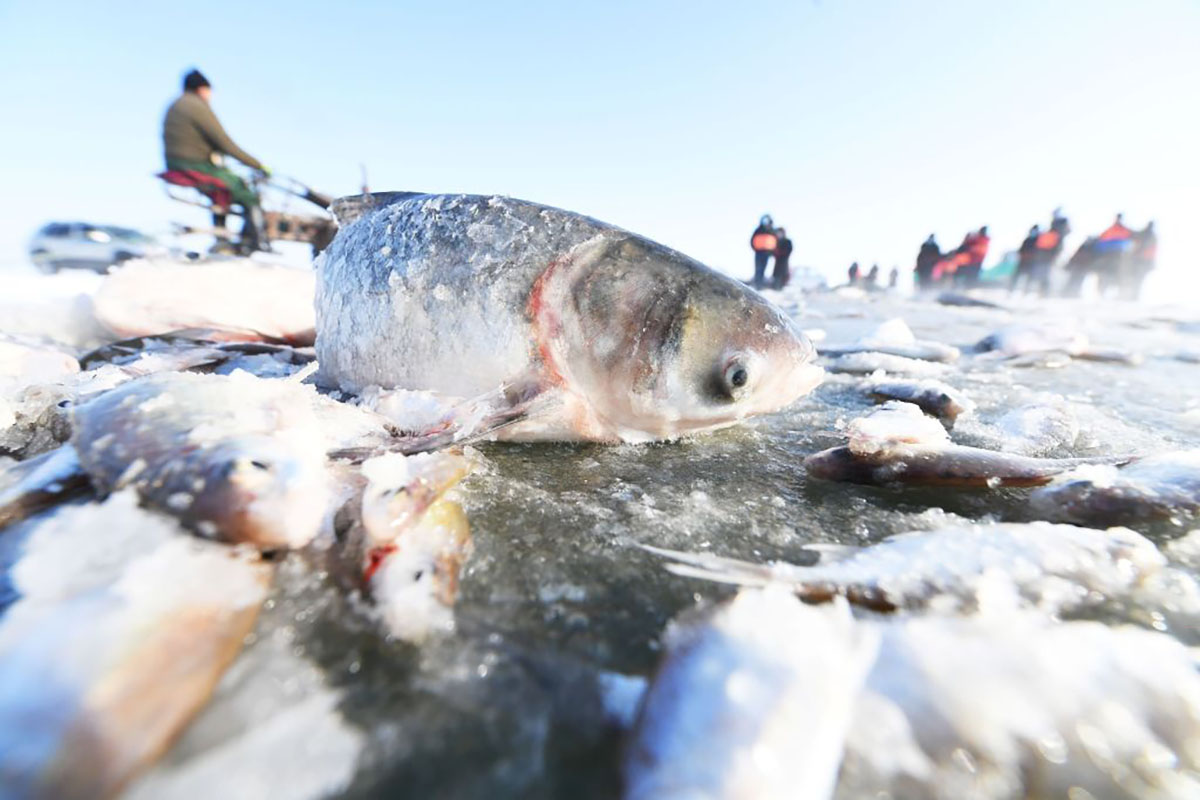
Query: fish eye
734, 378
260, 464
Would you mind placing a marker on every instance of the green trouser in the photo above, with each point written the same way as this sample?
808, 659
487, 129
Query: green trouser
242, 194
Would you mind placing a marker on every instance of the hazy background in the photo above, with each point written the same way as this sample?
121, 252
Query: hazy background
862, 126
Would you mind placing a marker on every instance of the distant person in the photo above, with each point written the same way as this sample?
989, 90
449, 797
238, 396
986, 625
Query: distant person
783, 253
1049, 247
873, 277
853, 273
1026, 255
1111, 264
763, 242
193, 139
894, 278
927, 258
1059, 223
1142, 259
972, 252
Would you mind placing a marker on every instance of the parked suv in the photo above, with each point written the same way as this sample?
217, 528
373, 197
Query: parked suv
80, 245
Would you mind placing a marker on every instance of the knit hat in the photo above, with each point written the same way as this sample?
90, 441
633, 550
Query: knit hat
194, 80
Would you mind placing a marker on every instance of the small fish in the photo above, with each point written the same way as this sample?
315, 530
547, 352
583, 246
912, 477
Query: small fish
1025, 341
122, 629
1022, 705
147, 297
416, 540
235, 458
957, 299
869, 363
598, 334
1157, 487
897, 444
895, 338
935, 398
40, 418
751, 701
960, 568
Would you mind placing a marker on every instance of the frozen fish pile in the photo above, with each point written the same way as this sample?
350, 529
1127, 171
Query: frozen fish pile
552, 510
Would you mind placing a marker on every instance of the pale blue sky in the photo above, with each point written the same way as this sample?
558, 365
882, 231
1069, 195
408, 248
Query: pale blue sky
862, 126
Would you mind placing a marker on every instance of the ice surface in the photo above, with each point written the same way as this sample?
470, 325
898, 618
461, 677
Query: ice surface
555, 595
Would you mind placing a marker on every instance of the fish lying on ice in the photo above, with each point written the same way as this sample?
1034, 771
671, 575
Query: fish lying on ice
960, 568
234, 457
935, 398
1020, 706
416, 540
1158, 487
1021, 340
122, 629
895, 338
964, 300
40, 413
603, 334
148, 297
1012, 705
868, 363
752, 701
897, 444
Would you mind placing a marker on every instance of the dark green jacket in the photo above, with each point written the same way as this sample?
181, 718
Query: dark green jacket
192, 132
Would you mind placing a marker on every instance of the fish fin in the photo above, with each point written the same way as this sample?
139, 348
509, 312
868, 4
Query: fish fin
711, 567
41, 482
349, 208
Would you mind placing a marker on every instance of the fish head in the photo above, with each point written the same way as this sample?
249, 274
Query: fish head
661, 346
414, 579
267, 491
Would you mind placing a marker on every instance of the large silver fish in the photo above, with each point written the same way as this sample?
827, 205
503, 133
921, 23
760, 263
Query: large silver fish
600, 334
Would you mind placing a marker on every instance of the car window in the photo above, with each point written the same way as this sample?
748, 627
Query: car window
56, 230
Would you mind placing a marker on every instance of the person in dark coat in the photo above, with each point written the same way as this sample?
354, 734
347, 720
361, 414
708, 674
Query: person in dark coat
928, 257
1026, 257
763, 242
873, 276
853, 273
894, 278
783, 252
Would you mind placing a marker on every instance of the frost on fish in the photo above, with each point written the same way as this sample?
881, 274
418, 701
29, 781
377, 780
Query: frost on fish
122, 627
1057, 569
416, 540
234, 457
618, 338
1021, 339
751, 701
867, 363
1160, 487
894, 338
1020, 707
934, 397
1000, 706
274, 727
897, 444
